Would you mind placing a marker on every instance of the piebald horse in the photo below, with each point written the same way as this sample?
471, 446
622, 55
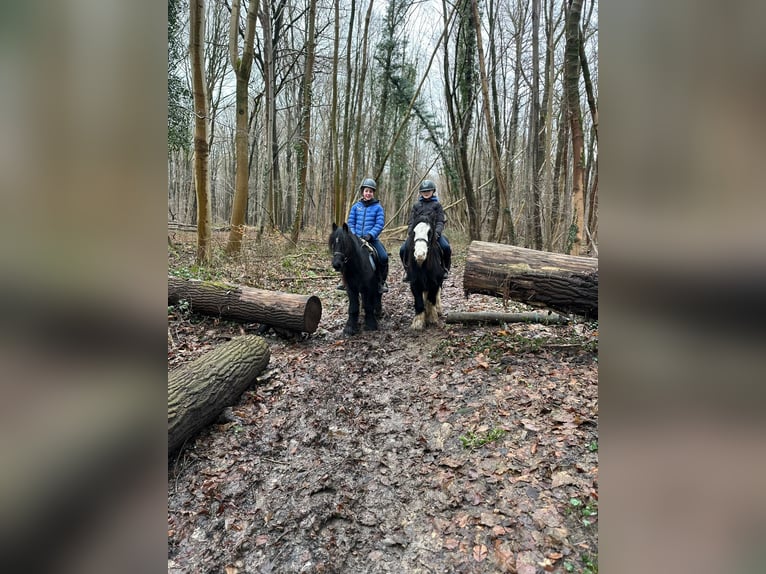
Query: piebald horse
423, 261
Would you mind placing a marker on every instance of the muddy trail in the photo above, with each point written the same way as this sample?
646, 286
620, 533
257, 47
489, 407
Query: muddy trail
461, 448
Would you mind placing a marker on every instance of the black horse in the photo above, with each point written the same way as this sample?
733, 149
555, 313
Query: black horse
423, 263
362, 275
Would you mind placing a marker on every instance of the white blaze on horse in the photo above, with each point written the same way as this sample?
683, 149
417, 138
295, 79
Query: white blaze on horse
423, 261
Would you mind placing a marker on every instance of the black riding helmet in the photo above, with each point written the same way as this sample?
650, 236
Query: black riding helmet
427, 185
368, 182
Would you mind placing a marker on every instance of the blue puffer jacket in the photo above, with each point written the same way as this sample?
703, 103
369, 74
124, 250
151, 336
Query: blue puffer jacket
366, 217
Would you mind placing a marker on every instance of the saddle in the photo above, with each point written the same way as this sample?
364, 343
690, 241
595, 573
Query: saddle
372, 253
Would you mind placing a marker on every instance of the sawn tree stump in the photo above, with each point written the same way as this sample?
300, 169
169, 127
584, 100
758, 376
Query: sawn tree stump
199, 391
560, 282
290, 311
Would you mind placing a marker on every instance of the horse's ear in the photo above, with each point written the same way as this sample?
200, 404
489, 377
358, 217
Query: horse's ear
345, 227
334, 226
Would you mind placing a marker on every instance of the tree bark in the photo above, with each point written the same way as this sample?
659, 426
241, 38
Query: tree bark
571, 82
497, 169
499, 318
241, 66
304, 122
560, 282
199, 391
300, 313
201, 129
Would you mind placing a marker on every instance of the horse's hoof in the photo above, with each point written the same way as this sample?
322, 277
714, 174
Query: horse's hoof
371, 327
419, 322
348, 331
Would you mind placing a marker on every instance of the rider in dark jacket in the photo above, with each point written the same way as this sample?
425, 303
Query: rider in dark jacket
428, 206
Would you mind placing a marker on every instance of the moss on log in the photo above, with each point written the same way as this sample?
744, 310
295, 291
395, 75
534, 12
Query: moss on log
560, 282
291, 311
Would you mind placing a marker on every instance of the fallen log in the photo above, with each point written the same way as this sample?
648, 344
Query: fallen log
300, 313
199, 391
564, 283
500, 318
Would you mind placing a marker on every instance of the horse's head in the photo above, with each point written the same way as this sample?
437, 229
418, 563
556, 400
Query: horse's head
422, 235
341, 246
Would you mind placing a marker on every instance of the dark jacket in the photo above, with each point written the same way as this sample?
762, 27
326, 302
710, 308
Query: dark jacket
431, 210
366, 217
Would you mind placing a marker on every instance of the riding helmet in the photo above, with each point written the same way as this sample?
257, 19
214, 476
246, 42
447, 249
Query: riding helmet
427, 185
368, 182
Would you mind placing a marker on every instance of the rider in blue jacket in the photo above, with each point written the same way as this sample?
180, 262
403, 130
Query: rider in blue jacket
366, 220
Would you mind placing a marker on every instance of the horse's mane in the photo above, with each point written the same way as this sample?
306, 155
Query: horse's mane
351, 247
346, 239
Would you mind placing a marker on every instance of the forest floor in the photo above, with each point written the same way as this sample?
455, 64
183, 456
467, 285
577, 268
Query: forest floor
460, 449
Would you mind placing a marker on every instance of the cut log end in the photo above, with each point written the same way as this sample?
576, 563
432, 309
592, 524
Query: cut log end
312, 314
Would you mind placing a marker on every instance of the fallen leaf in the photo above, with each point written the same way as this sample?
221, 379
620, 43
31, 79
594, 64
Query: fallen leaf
451, 462
503, 556
479, 552
561, 478
546, 565
555, 555
530, 425
450, 543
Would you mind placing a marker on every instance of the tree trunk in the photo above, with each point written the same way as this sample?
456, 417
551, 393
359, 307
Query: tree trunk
571, 81
304, 122
560, 282
497, 169
300, 313
201, 128
241, 66
199, 391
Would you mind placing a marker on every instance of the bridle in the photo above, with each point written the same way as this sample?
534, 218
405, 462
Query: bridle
426, 239
340, 253
345, 257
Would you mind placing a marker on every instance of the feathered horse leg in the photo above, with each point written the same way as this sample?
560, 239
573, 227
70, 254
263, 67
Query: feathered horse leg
433, 308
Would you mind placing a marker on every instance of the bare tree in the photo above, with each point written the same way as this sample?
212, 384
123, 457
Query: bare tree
572, 83
305, 121
334, 143
460, 94
495, 154
241, 66
201, 128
